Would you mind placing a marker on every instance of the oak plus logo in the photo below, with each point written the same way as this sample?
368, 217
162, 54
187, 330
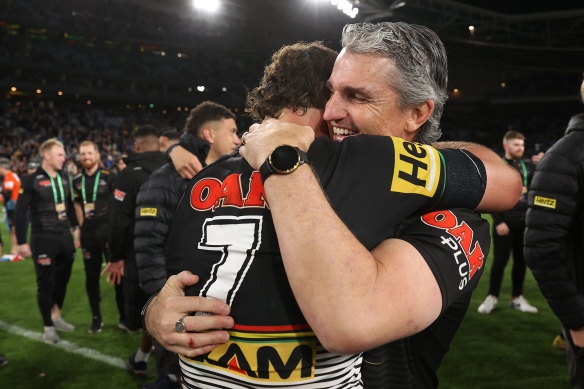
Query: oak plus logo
459, 239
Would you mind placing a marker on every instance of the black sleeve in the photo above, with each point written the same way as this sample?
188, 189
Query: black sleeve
155, 206
555, 210
24, 200
402, 177
71, 216
455, 244
466, 180
122, 209
77, 188
193, 144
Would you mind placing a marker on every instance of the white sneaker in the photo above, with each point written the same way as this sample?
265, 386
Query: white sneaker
62, 325
521, 304
50, 336
488, 305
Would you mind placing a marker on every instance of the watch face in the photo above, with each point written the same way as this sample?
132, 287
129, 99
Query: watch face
284, 159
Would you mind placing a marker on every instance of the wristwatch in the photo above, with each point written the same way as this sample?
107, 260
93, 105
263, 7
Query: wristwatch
284, 159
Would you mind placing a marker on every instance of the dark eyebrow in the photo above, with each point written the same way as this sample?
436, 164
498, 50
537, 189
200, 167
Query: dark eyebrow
357, 91
351, 90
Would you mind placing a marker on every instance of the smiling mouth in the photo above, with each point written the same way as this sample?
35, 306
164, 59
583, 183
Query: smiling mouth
341, 133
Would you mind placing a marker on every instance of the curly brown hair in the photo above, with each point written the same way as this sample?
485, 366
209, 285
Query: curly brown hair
296, 78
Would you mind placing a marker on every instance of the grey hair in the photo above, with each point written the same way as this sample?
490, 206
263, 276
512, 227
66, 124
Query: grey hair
420, 59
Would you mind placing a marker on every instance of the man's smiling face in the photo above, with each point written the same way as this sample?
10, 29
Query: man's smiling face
362, 99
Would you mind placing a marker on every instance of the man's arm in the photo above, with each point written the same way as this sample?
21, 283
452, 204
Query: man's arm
24, 200
188, 163
353, 299
374, 297
122, 209
79, 216
504, 185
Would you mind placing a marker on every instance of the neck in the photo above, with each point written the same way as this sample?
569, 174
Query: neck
49, 169
91, 170
211, 157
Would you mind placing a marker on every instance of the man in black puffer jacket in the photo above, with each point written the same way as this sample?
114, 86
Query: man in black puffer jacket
554, 238
140, 165
210, 131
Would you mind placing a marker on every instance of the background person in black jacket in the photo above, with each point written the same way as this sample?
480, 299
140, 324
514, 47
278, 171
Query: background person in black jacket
210, 131
93, 188
48, 194
122, 266
508, 228
554, 244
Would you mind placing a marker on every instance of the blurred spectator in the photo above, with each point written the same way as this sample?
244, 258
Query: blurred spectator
508, 228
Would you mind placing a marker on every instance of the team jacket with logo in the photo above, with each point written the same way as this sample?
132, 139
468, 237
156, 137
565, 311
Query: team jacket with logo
223, 232
36, 192
96, 220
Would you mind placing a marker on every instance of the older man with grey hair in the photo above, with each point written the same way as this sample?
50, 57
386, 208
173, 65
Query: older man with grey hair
411, 288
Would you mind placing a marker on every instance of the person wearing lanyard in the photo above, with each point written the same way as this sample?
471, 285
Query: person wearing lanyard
48, 194
93, 187
508, 230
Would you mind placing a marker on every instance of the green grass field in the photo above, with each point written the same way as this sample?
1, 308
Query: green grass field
507, 349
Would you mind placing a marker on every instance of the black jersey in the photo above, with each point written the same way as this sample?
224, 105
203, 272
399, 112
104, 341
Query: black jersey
50, 203
94, 199
223, 232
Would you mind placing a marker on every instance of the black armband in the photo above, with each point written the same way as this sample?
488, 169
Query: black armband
466, 180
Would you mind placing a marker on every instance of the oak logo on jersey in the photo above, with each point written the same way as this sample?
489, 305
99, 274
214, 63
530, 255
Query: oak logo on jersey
460, 241
45, 183
148, 212
544, 202
210, 193
417, 167
263, 360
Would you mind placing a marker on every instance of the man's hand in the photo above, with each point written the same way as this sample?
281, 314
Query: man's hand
265, 137
502, 229
171, 304
115, 272
537, 157
24, 250
578, 337
185, 163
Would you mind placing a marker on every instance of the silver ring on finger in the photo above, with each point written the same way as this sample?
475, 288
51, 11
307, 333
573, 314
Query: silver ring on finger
243, 137
180, 325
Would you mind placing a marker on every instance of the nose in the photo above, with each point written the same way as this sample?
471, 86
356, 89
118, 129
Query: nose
236, 140
333, 110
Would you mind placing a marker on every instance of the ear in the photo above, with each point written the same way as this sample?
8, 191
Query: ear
418, 115
207, 134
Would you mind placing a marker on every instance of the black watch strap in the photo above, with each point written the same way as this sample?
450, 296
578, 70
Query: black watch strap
275, 165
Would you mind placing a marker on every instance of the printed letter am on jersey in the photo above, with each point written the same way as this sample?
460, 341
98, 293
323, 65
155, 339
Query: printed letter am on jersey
263, 354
